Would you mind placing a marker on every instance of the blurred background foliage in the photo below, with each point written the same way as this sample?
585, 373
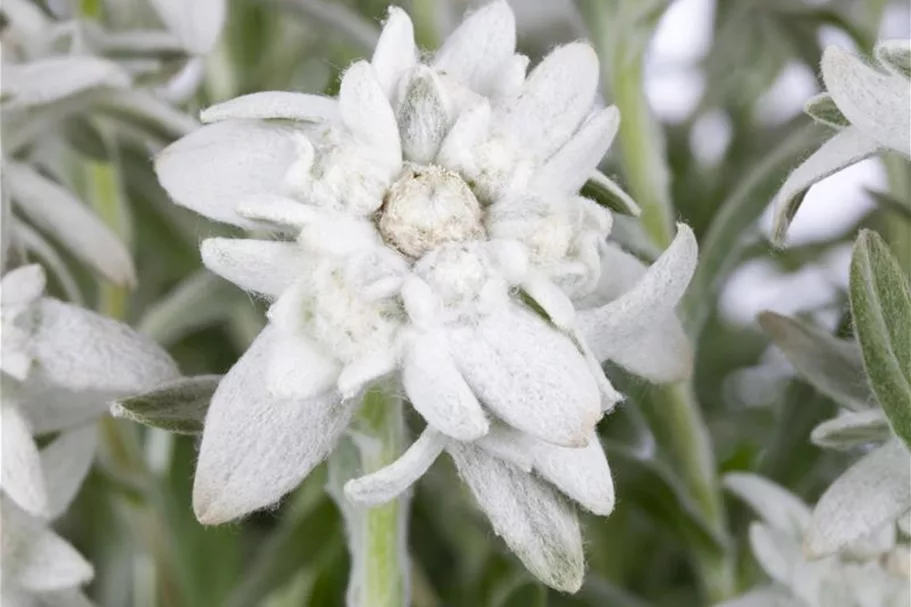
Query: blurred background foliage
727, 152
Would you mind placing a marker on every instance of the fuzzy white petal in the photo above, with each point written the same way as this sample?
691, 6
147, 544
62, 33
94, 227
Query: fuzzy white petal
358, 374
65, 463
278, 210
780, 508
582, 474
874, 102
255, 448
534, 521
423, 115
274, 104
479, 46
20, 471
395, 51
618, 325
552, 300
298, 369
530, 375
510, 77
366, 112
22, 285
469, 130
393, 480
215, 168
439, 392
262, 266
571, 166
555, 98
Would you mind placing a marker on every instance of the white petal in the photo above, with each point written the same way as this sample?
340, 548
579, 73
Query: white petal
776, 552
65, 463
20, 472
256, 448
469, 131
530, 375
479, 46
213, 169
393, 480
873, 491
847, 147
22, 286
366, 112
777, 506
852, 429
262, 266
278, 210
510, 77
582, 474
509, 444
620, 324
274, 105
298, 369
556, 97
534, 521
358, 374
197, 24
571, 166
48, 80
395, 51
423, 115
439, 392
54, 209
552, 300
34, 557
876, 103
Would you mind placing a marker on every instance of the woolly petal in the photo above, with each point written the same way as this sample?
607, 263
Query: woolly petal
662, 352
218, 166
469, 130
438, 391
777, 552
255, 448
262, 266
534, 521
48, 80
266, 105
572, 165
616, 328
22, 286
360, 373
556, 97
393, 480
65, 463
20, 465
777, 506
552, 300
395, 51
423, 115
874, 491
581, 474
366, 112
530, 375
874, 102
510, 77
844, 149
474, 52
34, 557
298, 369
279, 210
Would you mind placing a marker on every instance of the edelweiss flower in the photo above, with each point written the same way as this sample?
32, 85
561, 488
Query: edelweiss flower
431, 231
872, 572
60, 365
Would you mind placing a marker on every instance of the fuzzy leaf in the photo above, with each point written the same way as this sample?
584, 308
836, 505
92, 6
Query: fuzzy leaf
822, 108
603, 190
895, 55
881, 309
179, 406
832, 366
852, 430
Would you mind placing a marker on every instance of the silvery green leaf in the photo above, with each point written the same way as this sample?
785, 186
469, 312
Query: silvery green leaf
54, 209
874, 491
137, 108
20, 464
138, 44
847, 147
65, 463
773, 596
179, 406
831, 365
852, 430
823, 109
48, 80
777, 506
895, 55
197, 24
881, 310
898, 204
36, 244
603, 190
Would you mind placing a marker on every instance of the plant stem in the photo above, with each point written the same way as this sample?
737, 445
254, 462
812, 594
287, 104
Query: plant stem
376, 536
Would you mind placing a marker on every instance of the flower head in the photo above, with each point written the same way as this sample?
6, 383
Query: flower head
431, 232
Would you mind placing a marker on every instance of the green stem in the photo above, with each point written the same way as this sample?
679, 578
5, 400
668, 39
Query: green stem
376, 536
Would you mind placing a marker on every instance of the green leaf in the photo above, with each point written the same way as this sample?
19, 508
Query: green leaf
881, 308
890, 201
852, 430
895, 55
178, 407
603, 190
822, 108
832, 366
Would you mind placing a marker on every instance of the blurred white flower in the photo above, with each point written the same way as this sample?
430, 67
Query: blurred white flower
871, 572
432, 232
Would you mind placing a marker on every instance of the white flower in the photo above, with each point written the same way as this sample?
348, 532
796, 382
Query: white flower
871, 572
61, 365
431, 231
871, 114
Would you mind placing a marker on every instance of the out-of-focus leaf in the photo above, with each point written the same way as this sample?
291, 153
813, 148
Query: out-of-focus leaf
852, 430
891, 202
197, 24
822, 108
35, 243
599, 591
895, 55
178, 406
150, 115
335, 17
881, 308
832, 366
603, 190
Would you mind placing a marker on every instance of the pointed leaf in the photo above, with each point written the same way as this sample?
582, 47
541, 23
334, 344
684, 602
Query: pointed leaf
852, 430
179, 406
822, 108
896, 56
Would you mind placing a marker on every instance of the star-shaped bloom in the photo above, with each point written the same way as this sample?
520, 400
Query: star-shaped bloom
430, 230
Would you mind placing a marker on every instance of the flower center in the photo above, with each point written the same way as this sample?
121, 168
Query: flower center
426, 207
